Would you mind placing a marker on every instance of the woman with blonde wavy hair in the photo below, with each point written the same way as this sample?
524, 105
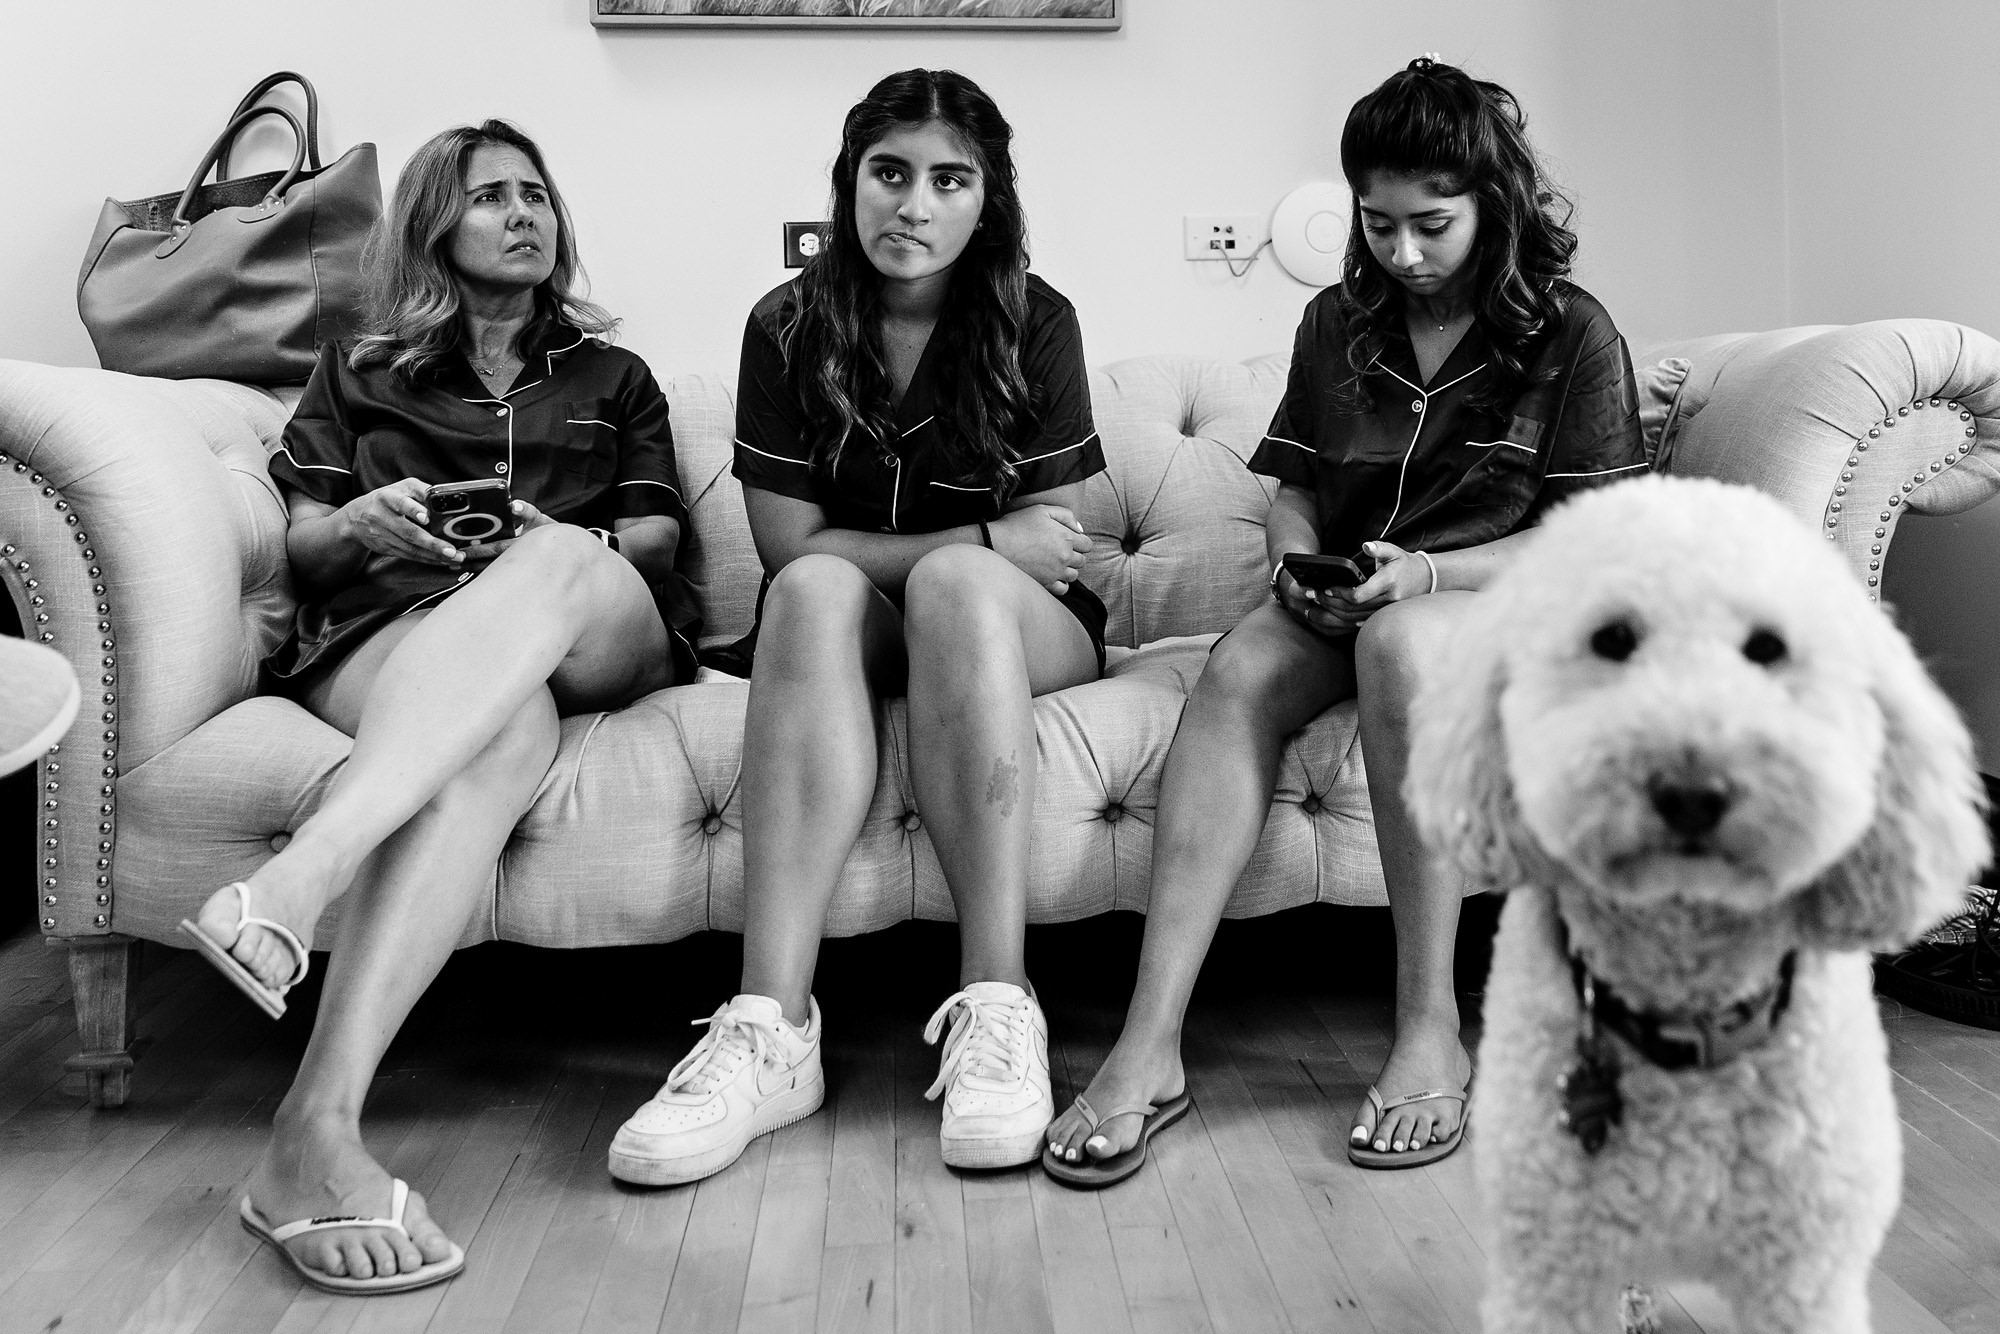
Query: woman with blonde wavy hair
448, 654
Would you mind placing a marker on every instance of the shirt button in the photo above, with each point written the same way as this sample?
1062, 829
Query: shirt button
1416, 405
464, 575
500, 468
499, 412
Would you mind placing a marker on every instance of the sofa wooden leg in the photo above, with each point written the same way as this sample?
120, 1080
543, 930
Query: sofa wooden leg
104, 973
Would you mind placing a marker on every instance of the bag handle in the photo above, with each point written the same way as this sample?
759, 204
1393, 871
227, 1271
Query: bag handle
250, 98
221, 145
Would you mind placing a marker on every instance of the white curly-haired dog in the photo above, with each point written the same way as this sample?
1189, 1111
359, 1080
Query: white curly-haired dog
1713, 777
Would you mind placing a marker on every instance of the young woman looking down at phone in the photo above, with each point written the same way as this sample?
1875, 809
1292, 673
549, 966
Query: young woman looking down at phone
1451, 388
913, 430
448, 665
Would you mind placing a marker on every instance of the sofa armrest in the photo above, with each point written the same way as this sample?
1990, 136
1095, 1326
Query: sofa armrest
140, 536
1852, 427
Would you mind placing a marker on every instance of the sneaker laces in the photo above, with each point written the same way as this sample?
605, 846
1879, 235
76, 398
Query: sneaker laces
733, 1036
988, 1041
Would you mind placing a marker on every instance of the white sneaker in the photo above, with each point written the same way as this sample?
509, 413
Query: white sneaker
995, 1076
751, 1074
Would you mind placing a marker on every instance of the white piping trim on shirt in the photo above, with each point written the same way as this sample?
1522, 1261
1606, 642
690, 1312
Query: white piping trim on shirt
895, 491
316, 467
558, 351
1601, 472
1036, 458
590, 421
1293, 443
1428, 392
978, 490
782, 458
1511, 444
647, 481
920, 425
1423, 407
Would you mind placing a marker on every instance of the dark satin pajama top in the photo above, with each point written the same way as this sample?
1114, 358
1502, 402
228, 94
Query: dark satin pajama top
1425, 470
582, 435
906, 485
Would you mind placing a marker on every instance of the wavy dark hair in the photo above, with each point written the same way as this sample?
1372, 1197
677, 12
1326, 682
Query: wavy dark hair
833, 346
1463, 136
414, 303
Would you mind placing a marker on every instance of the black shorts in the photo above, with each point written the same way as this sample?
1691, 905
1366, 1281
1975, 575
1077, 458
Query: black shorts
738, 658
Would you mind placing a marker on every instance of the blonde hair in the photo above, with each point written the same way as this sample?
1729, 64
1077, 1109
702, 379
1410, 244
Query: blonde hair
414, 299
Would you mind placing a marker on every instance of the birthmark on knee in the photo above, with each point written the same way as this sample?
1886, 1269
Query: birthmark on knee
1003, 789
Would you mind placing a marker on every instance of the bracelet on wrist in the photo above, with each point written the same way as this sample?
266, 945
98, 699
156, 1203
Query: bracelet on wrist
985, 535
607, 537
1434, 571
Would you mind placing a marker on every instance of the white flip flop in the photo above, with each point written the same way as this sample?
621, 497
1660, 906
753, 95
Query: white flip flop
399, 1196
270, 999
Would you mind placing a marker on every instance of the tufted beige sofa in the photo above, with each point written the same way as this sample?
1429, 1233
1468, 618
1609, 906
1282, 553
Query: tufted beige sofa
142, 537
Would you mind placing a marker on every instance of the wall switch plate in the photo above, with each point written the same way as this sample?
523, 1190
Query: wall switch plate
1222, 235
802, 242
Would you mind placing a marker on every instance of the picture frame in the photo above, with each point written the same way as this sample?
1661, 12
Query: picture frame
1003, 15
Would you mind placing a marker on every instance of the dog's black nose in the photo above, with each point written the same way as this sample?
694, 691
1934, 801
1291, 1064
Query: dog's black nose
1690, 811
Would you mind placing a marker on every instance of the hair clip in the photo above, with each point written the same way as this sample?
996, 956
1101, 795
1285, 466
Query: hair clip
1427, 60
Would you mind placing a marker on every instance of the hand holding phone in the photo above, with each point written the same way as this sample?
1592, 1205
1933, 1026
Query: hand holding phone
469, 513
1323, 573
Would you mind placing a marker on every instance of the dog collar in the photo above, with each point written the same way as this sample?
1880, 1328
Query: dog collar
1688, 1040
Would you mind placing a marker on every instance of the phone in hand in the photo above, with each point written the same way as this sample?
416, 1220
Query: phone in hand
1321, 573
464, 513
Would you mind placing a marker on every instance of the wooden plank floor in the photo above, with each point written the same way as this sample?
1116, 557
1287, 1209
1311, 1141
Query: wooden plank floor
501, 1096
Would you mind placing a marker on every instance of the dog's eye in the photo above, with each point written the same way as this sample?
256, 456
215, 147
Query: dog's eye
1764, 647
1614, 641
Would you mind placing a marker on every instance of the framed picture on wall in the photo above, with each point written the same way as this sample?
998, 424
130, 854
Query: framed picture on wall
1082, 15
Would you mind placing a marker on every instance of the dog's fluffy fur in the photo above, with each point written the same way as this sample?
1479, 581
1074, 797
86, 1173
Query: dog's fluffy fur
1854, 820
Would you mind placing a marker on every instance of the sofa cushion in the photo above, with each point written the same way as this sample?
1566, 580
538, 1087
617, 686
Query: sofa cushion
636, 833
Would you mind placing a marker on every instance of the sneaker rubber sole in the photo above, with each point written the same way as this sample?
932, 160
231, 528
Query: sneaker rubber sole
793, 1105
1023, 1148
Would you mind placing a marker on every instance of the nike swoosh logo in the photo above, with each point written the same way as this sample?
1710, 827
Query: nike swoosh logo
789, 1081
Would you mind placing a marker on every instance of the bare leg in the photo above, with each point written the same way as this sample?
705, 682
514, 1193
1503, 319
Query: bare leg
984, 639
1266, 680
1395, 649
556, 611
829, 648
414, 897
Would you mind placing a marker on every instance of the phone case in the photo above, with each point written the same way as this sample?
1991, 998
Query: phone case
464, 513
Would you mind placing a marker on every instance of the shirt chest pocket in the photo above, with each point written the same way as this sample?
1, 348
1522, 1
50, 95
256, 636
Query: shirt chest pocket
586, 441
1504, 472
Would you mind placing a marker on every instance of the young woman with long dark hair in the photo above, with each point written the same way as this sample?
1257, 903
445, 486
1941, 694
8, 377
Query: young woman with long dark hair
1442, 396
448, 665
913, 431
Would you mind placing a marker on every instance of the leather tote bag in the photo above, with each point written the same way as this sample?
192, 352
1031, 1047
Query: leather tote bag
240, 279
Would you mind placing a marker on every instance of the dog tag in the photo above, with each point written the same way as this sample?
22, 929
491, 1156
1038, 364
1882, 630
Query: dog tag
1589, 1089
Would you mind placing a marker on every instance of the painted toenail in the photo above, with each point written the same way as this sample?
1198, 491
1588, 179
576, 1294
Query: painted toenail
1381, 1145
1358, 1135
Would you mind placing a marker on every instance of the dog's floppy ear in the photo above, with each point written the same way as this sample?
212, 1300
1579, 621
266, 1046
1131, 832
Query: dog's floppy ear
1929, 836
1458, 788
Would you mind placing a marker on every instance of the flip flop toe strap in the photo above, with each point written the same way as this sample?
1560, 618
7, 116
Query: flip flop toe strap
300, 959
399, 1196
1456, 1095
1126, 1109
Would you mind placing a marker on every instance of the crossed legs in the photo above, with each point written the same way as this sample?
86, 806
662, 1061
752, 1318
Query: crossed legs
454, 731
1265, 680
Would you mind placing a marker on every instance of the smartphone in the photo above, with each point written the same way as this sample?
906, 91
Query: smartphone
1323, 572
463, 513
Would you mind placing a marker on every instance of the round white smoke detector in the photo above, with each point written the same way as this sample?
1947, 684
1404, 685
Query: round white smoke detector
1309, 232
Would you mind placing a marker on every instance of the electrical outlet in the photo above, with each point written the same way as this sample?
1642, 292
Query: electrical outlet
802, 242
1222, 235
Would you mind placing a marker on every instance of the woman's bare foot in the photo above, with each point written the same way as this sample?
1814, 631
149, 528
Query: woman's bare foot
1136, 1071
1427, 1055
319, 1170
292, 888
